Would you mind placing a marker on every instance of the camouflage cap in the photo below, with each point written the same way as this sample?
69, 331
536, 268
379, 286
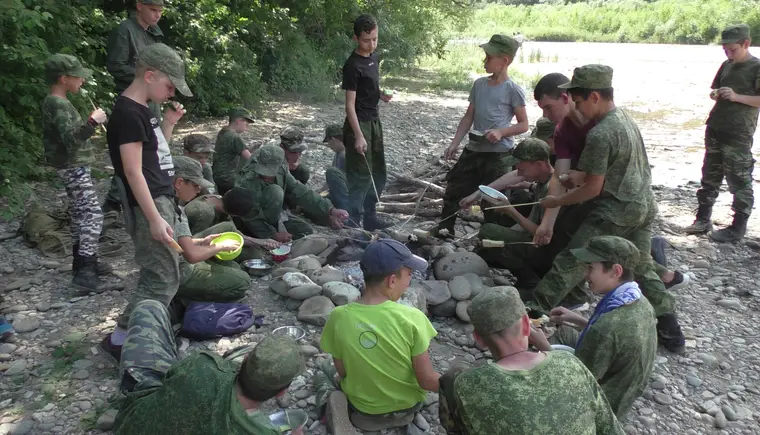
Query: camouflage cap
268, 160
272, 364
240, 113
60, 65
191, 170
613, 249
532, 149
734, 34
198, 143
333, 130
544, 129
496, 309
152, 2
291, 138
592, 76
163, 58
501, 45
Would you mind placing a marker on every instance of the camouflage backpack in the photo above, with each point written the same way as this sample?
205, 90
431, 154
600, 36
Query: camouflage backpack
48, 230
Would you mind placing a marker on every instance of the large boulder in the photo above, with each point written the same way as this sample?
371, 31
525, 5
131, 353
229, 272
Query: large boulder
414, 297
303, 292
279, 286
326, 274
460, 263
315, 310
303, 263
341, 293
476, 284
462, 311
309, 245
446, 309
296, 279
280, 271
436, 292
460, 288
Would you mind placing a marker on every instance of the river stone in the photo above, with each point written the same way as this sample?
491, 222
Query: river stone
315, 310
733, 304
341, 293
414, 297
309, 245
280, 271
279, 286
26, 324
107, 420
296, 279
16, 368
462, 311
446, 309
22, 428
304, 263
19, 283
303, 292
460, 288
293, 304
325, 275
476, 284
436, 292
8, 348
460, 263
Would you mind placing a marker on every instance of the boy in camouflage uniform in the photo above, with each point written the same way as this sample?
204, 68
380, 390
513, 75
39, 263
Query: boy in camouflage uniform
538, 393
69, 151
335, 175
728, 136
618, 180
199, 147
291, 141
203, 393
139, 149
231, 154
268, 181
619, 342
494, 101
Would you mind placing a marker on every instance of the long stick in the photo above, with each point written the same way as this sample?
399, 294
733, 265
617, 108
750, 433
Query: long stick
377, 195
94, 107
512, 205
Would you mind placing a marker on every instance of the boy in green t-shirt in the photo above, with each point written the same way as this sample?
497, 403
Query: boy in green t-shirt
380, 347
230, 148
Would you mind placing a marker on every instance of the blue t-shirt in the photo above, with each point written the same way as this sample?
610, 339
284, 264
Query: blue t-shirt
494, 108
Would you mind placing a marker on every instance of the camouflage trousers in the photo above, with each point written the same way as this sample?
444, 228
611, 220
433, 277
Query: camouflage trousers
270, 207
85, 211
149, 349
158, 262
361, 170
215, 283
448, 407
471, 170
338, 186
727, 156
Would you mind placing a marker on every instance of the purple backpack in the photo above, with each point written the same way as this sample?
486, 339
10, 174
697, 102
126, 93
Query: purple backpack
205, 320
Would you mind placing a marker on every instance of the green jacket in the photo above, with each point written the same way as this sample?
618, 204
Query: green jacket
65, 136
124, 43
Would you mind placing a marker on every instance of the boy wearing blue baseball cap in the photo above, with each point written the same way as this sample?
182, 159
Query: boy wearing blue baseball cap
380, 347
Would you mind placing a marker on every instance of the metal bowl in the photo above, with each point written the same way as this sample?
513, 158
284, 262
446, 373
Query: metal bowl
492, 193
294, 332
287, 420
562, 347
258, 267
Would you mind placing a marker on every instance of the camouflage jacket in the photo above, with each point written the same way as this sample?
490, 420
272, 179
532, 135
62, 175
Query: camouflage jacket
124, 43
227, 160
65, 136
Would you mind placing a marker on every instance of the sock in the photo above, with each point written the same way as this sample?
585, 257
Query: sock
118, 336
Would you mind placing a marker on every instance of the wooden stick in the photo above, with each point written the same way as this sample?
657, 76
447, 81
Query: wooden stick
402, 197
512, 205
438, 190
94, 107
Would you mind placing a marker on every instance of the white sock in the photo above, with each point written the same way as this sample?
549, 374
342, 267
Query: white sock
118, 336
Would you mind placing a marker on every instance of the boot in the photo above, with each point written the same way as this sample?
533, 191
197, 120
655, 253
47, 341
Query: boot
669, 333
372, 222
733, 232
702, 222
86, 280
101, 269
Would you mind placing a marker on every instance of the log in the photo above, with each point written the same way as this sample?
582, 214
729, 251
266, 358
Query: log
407, 207
438, 190
401, 197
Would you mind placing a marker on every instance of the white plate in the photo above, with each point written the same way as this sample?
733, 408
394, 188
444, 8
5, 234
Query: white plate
563, 348
492, 193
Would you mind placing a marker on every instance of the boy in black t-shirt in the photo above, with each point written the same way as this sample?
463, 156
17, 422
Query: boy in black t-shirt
139, 149
362, 130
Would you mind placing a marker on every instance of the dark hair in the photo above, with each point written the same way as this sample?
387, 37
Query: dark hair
237, 201
549, 86
606, 94
364, 23
374, 279
626, 276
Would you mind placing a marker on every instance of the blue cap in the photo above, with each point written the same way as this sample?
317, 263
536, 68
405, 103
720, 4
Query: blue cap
387, 256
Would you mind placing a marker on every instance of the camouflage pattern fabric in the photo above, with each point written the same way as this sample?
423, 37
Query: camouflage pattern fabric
215, 282
735, 118
65, 136
227, 160
208, 175
201, 214
159, 263
557, 396
124, 43
338, 187
361, 193
301, 173
84, 209
729, 156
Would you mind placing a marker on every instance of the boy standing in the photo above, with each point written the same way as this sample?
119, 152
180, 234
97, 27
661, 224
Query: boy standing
380, 347
362, 130
728, 136
619, 342
494, 101
139, 149
69, 151
230, 148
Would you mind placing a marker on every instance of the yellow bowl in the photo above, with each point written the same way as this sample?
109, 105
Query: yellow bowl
229, 255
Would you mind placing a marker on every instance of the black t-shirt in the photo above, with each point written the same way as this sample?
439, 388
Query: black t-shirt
132, 122
362, 74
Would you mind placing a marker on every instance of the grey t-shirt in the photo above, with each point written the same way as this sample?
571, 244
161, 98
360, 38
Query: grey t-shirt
494, 108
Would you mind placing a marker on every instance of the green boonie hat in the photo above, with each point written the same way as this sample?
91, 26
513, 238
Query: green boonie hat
272, 364
152, 2
291, 138
268, 160
198, 143
60, 65
734, 34
590, 77
501, 45
191, 170
333, 130
544, 129
532, 149
613, 249
163, 58
240, 112
496, 309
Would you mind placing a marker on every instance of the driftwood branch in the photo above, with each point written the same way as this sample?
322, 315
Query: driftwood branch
438, 190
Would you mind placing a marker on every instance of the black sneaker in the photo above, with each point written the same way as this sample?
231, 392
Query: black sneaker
110, 348
669, 334
678, 282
